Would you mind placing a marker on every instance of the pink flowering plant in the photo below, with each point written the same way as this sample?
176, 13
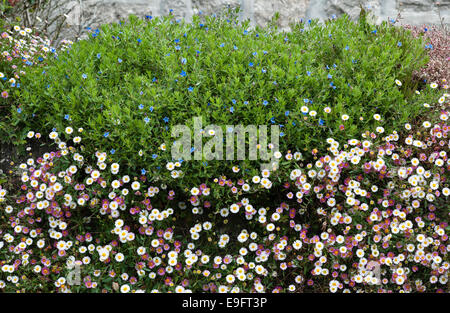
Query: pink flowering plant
437, 42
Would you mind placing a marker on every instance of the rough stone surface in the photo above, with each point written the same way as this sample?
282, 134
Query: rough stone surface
289, 11
260, 12
213, 6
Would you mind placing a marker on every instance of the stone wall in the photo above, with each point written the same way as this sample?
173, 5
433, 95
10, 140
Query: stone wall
261, 11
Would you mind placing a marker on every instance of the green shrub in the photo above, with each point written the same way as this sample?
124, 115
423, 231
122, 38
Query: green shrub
131, 82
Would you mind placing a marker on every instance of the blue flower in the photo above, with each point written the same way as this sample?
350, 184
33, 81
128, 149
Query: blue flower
19, 110
183, 74
281, 134
347, 48
183, 61
141, 106
399, 44
146, 120
306, 100
222, 45
84, 76
235, 48
154, 156
330, 76
287, 113
263, 70
177, 47
245, 102
265, 102
255, 54
99, 55
190, 89
151, 109
233, 100
250, 64
166, 119
143, 171
139, 40
232, 109
321, 122
106, 134
112, 151
67, 116
308, 73
119, 60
